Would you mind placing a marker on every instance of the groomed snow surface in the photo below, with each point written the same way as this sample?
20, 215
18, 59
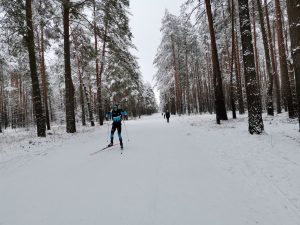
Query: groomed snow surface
188, 172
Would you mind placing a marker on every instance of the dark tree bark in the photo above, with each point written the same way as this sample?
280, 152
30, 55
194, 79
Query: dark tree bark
286, 88
99, 80
272, 56
36, 93
96, 52
81, 97
270, 108
232, 89
1, 96
253, 96
293, 8
187, 79
80, 74
89, 105
256, 55
69, 93
221, 113
238, 76
44, 77
176, 76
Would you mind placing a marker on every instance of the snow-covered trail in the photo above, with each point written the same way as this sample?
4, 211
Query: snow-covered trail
180, 173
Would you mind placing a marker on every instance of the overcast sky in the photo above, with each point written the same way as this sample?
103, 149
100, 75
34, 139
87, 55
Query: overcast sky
145, 24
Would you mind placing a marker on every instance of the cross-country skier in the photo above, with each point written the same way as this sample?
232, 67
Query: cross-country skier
167, 115
117, 118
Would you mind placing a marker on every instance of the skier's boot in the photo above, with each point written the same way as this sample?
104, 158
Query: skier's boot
111, 142
121, 144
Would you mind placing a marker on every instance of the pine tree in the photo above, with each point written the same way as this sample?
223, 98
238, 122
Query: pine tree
272, 55
253, 96
41, 129
286, 88
270, 109
18, 20
69, 94
293, 8
219, 96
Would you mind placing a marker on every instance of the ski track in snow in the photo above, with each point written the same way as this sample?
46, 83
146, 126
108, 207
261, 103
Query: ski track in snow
190, 171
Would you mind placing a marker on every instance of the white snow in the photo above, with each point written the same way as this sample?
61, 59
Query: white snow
188, 172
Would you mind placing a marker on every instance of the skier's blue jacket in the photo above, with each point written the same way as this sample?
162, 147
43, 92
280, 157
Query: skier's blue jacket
117, 116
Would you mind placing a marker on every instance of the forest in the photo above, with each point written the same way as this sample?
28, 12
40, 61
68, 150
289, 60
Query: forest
220, 56
212, 91
67, 62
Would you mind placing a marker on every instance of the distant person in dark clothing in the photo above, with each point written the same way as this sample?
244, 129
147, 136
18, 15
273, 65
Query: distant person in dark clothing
125, 114
167, 114
107, 116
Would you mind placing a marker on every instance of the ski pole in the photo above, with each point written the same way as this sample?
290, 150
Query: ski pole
107, 132
126, 131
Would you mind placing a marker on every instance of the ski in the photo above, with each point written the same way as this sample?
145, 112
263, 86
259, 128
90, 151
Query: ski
93, 153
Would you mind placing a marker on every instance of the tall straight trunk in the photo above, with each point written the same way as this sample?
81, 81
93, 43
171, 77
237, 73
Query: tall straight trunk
69, 93
238, 76
270, 108
256, 55
277, 78
99, 83
253, 96
1, 96
272, 56
221, 113
89, 105
36, 93
176, 76
81, 97
187, 79
293, 8
179, 82
20, 113
80, 74
44, 77
286, 88
232, 91
96, 52
210, 84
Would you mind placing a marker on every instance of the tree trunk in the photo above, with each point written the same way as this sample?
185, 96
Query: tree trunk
1, 96
44, 77
80, 74
69, 96
286, 88
221, 113
176, 76
274, 68
81, 97
238, 76
232, 91
99, 83
253, 96
270, 108
256, 55
88, 100
293, 8
97, 59
36, 93
187, 79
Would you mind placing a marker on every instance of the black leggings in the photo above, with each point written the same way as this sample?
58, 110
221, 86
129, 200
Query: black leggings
113, 129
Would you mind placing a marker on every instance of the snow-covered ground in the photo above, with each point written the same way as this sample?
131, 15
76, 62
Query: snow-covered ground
188, 172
